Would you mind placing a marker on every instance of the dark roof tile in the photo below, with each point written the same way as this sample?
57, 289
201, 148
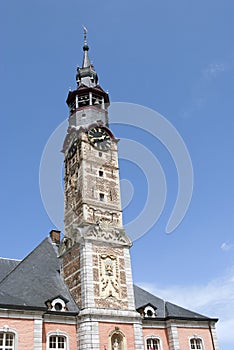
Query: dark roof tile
6, 266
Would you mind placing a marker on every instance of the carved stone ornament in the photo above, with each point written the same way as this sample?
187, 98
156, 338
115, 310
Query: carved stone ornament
109, 275
65, 245
103, 233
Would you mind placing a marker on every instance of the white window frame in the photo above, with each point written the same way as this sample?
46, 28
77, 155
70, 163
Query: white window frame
149, 308
57, 333
58, 301
197, 338
154, 337
8, 330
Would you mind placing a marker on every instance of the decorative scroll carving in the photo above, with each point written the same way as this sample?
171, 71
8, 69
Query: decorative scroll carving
109, 234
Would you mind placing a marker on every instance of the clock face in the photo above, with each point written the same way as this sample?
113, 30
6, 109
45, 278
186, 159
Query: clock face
99, 138
72, 150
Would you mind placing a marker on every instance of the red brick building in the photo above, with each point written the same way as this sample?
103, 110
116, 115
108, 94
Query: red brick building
78, 293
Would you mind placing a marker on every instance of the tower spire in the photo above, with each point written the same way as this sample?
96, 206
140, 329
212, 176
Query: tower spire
86, 75
86, 60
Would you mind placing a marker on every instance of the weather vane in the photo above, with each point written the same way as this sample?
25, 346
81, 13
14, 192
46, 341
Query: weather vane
85, 35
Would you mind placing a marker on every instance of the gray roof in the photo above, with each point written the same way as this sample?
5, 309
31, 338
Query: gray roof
164, 309
36, 279
143, 298
6, 266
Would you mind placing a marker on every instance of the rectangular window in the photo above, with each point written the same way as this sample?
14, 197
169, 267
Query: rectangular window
100, 173
57, 342
153, 344
101, 197
196, 343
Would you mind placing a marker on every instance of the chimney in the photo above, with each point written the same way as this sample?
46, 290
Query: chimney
55, 236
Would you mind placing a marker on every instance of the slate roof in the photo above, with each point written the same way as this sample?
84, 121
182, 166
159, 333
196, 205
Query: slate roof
164, 309
34, 280
6, 266
142, 298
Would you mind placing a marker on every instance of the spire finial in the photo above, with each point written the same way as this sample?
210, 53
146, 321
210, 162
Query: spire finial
85, 35
86, 60
86, 74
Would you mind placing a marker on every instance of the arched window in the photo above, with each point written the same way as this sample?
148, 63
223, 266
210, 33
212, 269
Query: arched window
6, 341
153, 344
57, 340
196, 344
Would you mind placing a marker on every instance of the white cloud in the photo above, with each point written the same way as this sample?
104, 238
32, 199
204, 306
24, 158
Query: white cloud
213, 70
226, 246
215, 299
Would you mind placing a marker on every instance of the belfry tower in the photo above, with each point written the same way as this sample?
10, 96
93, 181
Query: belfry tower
95, 249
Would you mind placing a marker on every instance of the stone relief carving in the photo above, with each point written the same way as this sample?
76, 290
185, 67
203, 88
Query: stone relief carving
109, 276
105, 232
100, 232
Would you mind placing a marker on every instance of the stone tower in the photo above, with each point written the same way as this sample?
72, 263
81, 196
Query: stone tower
95, 249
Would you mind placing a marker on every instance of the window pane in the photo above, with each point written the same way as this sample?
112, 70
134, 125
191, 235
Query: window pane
52, 342
9, 339
61, 343
57, 342
6, 341
196, 344
153, 344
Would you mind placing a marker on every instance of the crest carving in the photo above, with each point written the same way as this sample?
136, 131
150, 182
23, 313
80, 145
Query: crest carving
109, 276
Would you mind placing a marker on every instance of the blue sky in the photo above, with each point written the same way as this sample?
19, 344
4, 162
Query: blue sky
175, 57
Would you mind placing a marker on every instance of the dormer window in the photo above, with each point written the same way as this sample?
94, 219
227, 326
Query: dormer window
149, 312
57, 304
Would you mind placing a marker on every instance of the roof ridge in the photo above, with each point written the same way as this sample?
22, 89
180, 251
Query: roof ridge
10, 259
196, 314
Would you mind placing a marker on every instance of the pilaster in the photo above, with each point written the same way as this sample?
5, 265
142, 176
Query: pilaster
88, 335
173, 337
214, 336
129, 283
138, 335
87, 284
38, 334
